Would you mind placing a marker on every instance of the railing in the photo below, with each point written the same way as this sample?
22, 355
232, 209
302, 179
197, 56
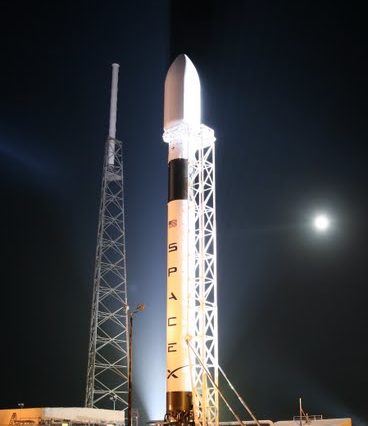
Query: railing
308, 418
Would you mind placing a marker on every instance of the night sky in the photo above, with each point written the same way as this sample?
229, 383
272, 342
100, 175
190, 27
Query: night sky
284, 86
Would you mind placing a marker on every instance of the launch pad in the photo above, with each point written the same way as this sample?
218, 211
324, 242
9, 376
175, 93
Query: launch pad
192, 396
294, 422
61, 416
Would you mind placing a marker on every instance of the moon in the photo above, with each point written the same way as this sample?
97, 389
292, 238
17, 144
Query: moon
321, 222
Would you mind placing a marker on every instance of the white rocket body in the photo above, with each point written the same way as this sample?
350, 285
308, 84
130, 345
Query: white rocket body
182, 107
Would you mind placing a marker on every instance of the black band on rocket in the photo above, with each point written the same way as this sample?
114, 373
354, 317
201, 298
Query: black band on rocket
178, 179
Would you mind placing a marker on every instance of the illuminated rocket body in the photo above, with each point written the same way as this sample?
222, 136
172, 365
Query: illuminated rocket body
182, 110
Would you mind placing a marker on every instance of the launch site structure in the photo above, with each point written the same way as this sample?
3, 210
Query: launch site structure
205, 342
107, 371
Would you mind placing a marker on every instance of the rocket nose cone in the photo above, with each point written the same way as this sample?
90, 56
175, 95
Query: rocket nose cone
182, 94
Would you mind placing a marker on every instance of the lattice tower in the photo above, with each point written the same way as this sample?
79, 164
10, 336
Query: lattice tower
205, 339
107, 374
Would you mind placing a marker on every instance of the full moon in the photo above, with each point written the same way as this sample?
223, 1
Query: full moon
321, 222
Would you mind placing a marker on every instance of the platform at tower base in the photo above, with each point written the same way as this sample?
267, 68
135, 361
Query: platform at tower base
61, 416
295, 422
319, 422
304, 422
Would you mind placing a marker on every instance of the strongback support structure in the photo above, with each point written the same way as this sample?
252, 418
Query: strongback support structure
204, 342
107, 374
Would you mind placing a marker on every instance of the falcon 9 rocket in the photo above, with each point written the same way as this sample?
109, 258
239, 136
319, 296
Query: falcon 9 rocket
182, 117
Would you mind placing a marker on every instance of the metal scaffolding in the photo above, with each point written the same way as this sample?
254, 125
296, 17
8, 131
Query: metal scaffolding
107, 374
205, 340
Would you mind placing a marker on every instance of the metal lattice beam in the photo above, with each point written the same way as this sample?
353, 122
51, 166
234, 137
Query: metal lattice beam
205, 340
107, 374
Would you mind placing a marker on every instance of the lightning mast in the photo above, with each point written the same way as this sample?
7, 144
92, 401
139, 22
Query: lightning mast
107, 373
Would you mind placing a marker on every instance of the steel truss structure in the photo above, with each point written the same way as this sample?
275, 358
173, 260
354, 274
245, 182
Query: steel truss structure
205, 340
107, 374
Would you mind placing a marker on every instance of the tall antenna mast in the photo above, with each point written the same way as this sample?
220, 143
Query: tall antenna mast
113, 111
107, 373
